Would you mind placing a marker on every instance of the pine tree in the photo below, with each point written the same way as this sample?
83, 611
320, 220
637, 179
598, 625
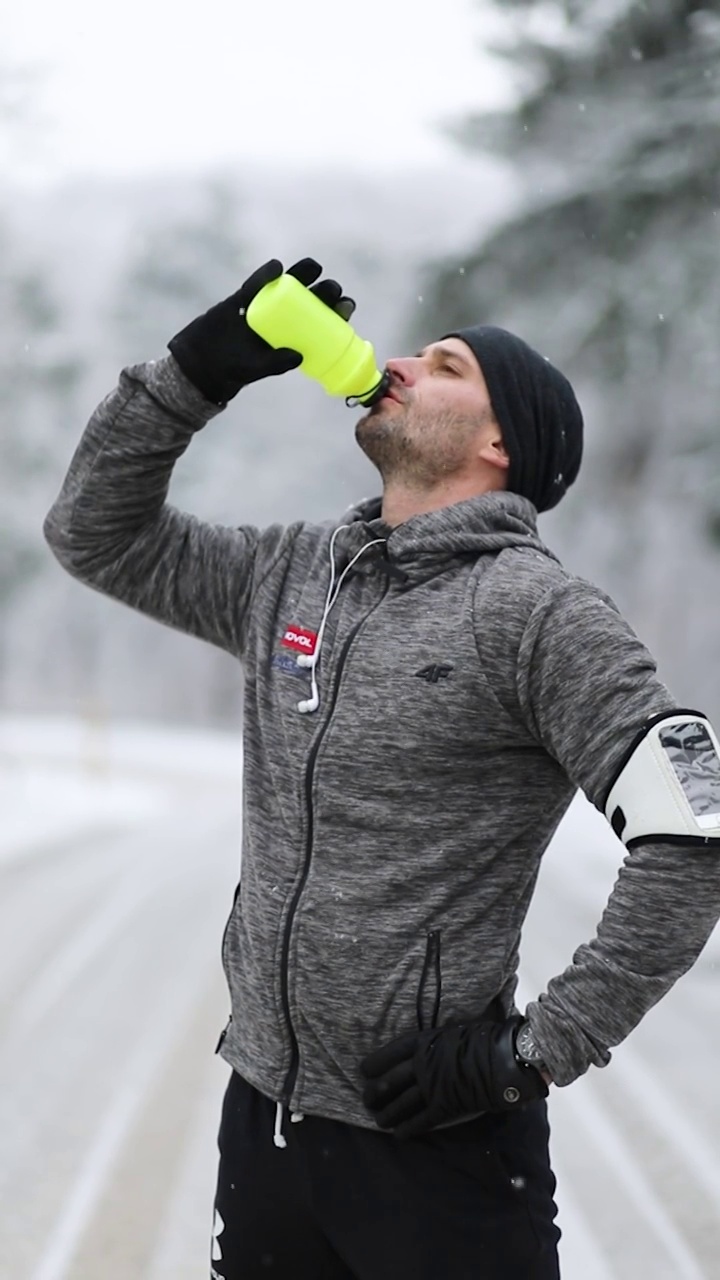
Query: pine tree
38, 378
610, 260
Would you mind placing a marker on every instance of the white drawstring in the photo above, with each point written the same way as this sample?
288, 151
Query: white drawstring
278, 1138
296, 1117
312, 660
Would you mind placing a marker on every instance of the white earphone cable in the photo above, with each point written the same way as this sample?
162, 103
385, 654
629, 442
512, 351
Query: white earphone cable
312, 660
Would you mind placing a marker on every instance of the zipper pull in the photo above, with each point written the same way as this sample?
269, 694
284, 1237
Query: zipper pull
223, 1034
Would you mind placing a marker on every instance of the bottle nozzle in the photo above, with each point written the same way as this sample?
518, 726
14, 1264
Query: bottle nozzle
371, 397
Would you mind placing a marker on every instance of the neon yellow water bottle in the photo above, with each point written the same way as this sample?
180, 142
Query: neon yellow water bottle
286, 314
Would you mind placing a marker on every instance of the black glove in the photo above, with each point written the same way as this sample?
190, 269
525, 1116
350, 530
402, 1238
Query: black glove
429, 1078
220, 353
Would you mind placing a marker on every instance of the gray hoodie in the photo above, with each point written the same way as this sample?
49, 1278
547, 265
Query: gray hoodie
466, 686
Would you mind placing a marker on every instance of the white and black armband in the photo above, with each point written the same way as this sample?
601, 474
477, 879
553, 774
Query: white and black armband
668, 785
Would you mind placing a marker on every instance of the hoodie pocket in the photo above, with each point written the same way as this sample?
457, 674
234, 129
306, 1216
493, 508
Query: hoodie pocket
430, 989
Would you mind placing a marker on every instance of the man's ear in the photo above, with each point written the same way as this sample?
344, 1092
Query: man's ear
494, 452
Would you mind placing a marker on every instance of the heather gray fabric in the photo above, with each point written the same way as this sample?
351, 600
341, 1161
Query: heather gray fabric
460, 708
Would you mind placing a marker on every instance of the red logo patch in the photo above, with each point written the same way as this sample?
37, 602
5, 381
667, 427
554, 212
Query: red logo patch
299, 638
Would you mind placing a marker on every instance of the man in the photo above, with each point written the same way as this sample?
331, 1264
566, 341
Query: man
425, 688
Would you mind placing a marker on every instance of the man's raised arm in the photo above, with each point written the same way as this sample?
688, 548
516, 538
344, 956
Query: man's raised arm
111, 526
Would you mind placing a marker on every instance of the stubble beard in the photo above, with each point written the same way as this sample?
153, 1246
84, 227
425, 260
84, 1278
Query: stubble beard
415, 449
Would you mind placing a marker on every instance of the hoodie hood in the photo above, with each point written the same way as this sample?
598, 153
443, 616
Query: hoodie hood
487, 524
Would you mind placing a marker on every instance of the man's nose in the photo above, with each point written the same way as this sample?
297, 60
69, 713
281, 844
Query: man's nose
404, 369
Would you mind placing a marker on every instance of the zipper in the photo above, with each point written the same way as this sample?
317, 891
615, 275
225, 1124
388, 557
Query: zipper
228, 922
431, 965
291, 1076
223, 1034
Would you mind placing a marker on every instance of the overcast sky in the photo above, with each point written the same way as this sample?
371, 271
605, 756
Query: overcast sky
149, 84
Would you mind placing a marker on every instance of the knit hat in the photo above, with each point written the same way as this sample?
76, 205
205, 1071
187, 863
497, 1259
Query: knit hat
536, 409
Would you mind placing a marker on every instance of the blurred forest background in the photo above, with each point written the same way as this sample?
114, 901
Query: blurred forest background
588, 222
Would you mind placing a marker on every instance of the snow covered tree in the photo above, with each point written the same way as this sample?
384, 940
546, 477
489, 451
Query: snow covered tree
610, 259
38, 376
178, 266
609, 263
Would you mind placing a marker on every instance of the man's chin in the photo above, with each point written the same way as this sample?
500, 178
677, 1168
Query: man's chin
372, 424
369, 435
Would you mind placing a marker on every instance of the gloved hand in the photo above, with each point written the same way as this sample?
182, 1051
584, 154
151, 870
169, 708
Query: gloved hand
220, 353
428, 1078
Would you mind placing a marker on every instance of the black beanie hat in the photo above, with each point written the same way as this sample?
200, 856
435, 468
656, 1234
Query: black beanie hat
536, 409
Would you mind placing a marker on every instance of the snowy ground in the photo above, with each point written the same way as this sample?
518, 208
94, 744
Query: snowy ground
118, 856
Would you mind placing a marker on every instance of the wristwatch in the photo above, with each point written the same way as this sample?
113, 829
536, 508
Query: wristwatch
526, 1050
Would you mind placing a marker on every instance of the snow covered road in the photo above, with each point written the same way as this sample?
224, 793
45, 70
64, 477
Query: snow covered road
111, 1000
118, 858
636, 1147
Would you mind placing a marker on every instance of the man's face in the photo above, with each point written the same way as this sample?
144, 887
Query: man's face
436, 420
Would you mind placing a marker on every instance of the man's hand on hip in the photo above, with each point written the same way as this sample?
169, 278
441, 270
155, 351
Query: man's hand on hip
430, 1078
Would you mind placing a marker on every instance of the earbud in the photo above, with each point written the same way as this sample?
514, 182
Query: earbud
312, 703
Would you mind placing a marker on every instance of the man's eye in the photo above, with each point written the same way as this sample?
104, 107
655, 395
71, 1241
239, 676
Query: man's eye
449, 368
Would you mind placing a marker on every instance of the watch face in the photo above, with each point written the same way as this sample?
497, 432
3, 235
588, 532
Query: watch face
526, 1046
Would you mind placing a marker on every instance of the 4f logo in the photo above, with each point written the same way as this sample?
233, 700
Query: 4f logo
435, 672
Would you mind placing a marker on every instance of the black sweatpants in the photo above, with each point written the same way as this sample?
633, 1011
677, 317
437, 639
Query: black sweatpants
470, 1202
